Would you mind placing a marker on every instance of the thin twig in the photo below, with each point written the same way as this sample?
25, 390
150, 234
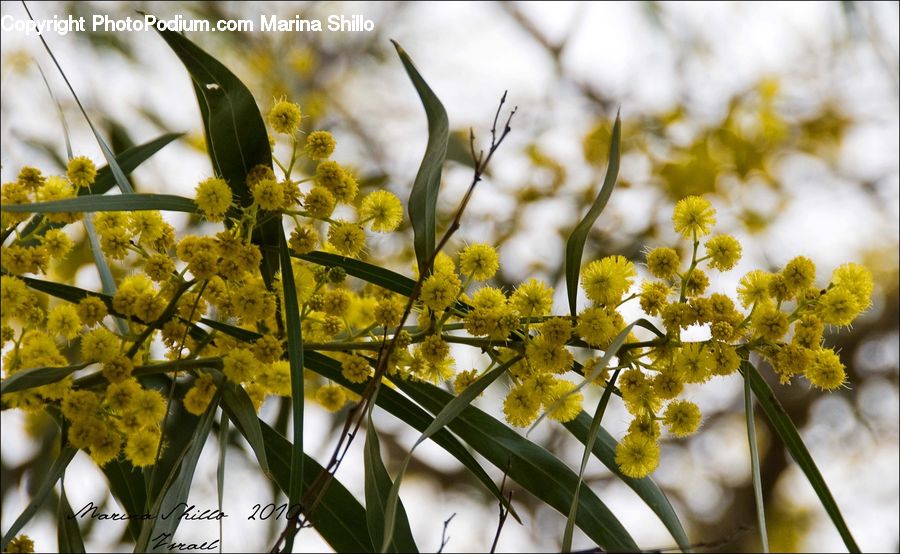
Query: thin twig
504, 512
444, 538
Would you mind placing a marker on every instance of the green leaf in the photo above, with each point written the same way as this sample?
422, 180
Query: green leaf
754, 465
575, 244
39, 376
400, 407
370, 273
103, 270
236, 136
295, 359
177, 487
447, 414
128, 161
128, 486
785, 429
338, 516
68, 534
588, 447
530, 465
56, 471
108, 203
423, 196
378, 488
241, 412
604, 449
117, 172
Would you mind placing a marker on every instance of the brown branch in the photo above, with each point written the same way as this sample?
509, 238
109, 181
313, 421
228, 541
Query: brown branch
504, 512
444, 538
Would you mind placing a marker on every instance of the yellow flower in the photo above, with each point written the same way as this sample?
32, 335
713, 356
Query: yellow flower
213, 197
694, 363
239, 365
532, 298
693, 217
304, 239
356, 369
605, 281
200, 395
599, 326
434, 349
769, 322
63, 320
563, 404
799, 274
440, 291
857, 280
99, 345
464, 379
81, 171
723, 251
754, 287
319, 202
347, 237
479, 260
141, 447
682, 418
319, 145
663, 262
381, 209
20, 544
521, 406
637, 455
332, 397
269, 194
285, 117
57, 243
826, 371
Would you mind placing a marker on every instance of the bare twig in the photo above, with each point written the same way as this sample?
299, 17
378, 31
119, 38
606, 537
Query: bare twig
316, 490
504, 513
444, 538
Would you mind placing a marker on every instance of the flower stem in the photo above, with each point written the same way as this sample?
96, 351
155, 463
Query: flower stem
754, 464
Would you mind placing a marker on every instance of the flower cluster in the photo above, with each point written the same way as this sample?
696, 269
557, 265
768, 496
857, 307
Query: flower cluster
182, 293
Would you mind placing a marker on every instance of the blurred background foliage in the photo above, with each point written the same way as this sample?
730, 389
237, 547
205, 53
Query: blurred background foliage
806, 139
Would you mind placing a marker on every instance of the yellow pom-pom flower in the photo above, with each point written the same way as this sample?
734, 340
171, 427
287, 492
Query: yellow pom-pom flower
693, 217
440, 290
521, 406
637, 455
347, 237
64, 321
332, 397
663, 262
605, 281
382, 210
285, 117
81, 171
99, 345
356, 369
532, 298
319, 145
213, 197
479, 260
826, 371
682, 418
269, 195
723, 252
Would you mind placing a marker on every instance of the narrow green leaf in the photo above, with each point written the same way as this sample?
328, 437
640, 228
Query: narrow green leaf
423, 196
588, 448
68, 534
604, 449
106, 277
108, 203
236, 136
37, 377
370, 273
56, 471
446, 415
291, 310
533, 467
575, 244
174, 492
128, 486
338, 516
400, 407
378, 489
754, 466
220, 471
385, 278
241, 412
119, 175
785, 429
